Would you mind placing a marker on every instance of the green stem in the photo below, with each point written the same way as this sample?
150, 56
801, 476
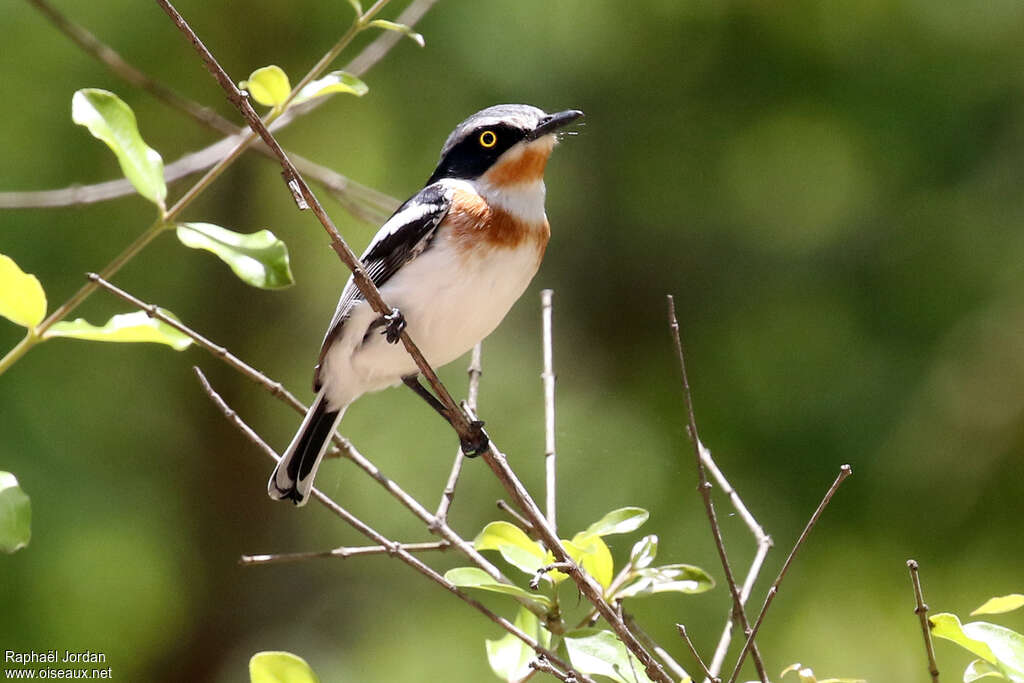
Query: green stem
30, 340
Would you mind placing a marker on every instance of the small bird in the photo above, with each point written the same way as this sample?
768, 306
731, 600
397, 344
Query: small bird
451, 261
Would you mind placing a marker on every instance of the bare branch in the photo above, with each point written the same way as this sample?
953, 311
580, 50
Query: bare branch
844, 472
456, 416
523, 523
377, 538
696, 655
670, 663
448, 495
343, 553
548, 377
921, 610
704, 486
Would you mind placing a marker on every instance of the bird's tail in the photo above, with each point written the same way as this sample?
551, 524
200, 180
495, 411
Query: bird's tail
293, 476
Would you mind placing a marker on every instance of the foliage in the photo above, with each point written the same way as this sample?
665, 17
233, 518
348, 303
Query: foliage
1000, 650
590, 651
15, 514
280, 667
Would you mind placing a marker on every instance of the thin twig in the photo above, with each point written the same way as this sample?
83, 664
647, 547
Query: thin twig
704, 487
376, 537
519, 519
541, 571
921, 610
696, 655
542, 665
670, 663
456, 416
448, 495
548, 377
343, 553
844, 472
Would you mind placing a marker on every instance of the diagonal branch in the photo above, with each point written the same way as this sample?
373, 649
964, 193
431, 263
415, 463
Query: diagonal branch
456, 416
343, 553
844, 472
704, 486
448, 495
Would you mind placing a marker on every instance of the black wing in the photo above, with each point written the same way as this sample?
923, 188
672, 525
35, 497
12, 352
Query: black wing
402, 238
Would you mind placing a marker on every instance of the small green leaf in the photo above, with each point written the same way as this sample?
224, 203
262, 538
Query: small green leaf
357, 6
22, 299
259, 259
401, 28
268, 85
601, 653
280, 667
644, 551
127, 327
15, 514
591, 553
515, 546
676, 578
474, 577
619, 521
112, 121
510, 657
979, 668
1000, 605
336, 81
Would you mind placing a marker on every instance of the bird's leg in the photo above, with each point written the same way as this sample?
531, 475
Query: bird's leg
477, 443
394, 323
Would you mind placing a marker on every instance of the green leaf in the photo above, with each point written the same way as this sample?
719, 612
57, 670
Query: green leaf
474, 577
259, 258
644, 552
510, 657
515, 546
1000, 605
995, 644
979, 668
112, 121
268, 85
401, 28
675, 578
280, 667
591, 553
127, 327
22, 299
357, 6
601, 653
619, 521
15, 514
336, 81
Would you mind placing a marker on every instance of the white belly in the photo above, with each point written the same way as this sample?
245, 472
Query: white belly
450, 302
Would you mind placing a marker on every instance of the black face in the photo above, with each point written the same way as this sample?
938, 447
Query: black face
477, 151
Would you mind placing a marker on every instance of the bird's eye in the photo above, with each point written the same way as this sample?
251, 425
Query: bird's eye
488, 139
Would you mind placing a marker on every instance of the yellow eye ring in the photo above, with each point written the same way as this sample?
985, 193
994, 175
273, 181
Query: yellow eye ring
488, 139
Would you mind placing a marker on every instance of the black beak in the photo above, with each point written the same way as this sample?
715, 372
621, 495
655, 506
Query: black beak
552, 122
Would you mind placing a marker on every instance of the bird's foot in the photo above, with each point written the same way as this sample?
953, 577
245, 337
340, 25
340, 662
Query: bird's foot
394, 323
478, 441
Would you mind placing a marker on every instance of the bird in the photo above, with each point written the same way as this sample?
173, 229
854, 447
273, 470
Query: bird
451, 262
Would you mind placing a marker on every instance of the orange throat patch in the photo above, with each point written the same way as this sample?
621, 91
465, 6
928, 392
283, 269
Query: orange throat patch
477, 226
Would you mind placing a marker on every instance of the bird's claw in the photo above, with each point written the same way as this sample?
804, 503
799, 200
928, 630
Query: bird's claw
394, 323
478, 441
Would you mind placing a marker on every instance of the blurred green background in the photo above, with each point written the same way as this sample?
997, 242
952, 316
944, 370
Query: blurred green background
832, 190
